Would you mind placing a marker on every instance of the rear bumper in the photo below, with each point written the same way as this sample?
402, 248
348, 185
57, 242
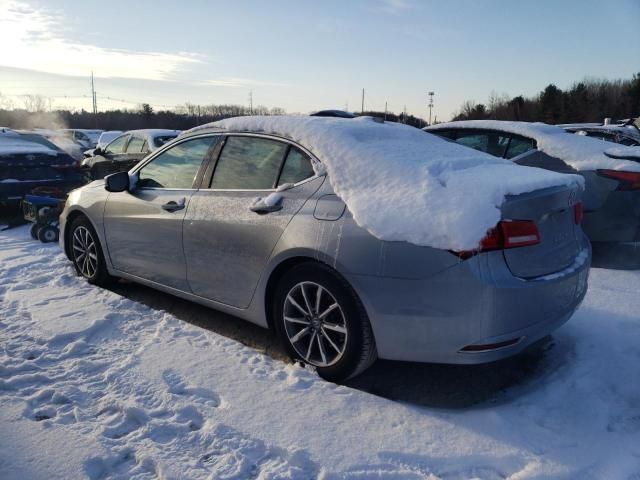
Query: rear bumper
477, 301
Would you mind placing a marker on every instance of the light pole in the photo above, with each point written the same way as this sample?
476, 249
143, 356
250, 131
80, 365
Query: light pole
430, 105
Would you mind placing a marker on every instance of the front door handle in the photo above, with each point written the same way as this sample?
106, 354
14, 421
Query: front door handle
172, 206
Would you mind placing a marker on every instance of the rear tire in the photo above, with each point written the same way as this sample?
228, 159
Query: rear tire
86, 253
321, 322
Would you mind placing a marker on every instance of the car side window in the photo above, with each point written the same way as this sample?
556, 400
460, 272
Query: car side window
176, 167
519, 145
117, 146
297, 167
135, 145
493, 143
248, 163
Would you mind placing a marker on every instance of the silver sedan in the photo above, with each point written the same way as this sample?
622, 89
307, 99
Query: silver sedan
243, 223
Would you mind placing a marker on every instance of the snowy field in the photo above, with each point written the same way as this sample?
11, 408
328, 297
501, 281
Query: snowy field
95, 385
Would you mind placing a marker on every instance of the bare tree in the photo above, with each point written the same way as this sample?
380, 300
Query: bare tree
37, 103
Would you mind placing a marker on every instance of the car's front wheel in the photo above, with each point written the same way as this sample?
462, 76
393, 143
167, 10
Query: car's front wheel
86, 252
322, 322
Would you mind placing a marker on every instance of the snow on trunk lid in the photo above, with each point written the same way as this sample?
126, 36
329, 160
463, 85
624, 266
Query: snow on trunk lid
554, 212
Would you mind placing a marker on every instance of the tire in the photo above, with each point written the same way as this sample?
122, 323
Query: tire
340, 323
48, 234
83, 239
34, 231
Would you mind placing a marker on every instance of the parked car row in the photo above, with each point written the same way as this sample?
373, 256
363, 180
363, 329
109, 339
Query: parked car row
52, 161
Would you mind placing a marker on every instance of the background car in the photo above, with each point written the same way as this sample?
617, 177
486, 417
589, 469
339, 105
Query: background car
625, 133
126, 150
85, 137
104, 140
250, 223
27, 166
612, 194
62, 140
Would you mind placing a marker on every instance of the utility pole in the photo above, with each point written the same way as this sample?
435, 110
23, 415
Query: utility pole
251, 102
404, 115
93, 95
430, 105
362, 108
385, 111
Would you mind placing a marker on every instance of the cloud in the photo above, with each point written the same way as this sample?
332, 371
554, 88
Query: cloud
239, 82
34, 39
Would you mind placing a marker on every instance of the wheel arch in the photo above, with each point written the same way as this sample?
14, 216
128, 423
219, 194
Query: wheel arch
281, 269
71, 217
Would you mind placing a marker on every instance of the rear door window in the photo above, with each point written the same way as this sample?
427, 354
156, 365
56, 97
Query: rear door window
519, 145
297, 167
248, 163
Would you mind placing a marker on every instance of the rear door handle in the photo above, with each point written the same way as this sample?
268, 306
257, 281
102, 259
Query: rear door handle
172, 206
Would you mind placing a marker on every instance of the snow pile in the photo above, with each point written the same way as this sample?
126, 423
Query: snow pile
13, 145
582, 153
94, 385
401, 184
626, 153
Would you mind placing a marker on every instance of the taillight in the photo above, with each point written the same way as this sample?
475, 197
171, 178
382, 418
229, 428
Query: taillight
578, 213
507, 234
628, 180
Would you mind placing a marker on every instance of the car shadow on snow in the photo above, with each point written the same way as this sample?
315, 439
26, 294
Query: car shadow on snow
428, 385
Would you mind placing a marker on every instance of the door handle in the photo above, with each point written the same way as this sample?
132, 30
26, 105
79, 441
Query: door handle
172, 206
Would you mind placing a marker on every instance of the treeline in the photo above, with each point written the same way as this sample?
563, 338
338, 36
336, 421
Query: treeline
585, 101
181, 118
399, 118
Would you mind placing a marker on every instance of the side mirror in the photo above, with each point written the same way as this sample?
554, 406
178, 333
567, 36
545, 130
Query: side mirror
97, 151
117, 182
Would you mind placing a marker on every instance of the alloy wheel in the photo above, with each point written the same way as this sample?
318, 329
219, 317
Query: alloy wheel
315, 324
85, 252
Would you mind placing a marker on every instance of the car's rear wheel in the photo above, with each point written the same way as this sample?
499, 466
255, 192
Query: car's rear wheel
321, 322
86, 253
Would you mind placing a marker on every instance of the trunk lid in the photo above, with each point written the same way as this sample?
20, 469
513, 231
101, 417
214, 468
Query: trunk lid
553, 211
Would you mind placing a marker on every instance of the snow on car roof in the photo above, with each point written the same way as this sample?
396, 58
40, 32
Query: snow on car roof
154, 132
401, 184
12, 145
581, 152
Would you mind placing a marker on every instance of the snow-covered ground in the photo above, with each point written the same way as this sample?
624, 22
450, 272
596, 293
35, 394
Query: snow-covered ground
95, 385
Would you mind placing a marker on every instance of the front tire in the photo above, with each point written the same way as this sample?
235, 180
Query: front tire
321, 322
86, 253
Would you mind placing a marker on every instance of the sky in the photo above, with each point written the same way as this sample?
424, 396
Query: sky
308, 55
